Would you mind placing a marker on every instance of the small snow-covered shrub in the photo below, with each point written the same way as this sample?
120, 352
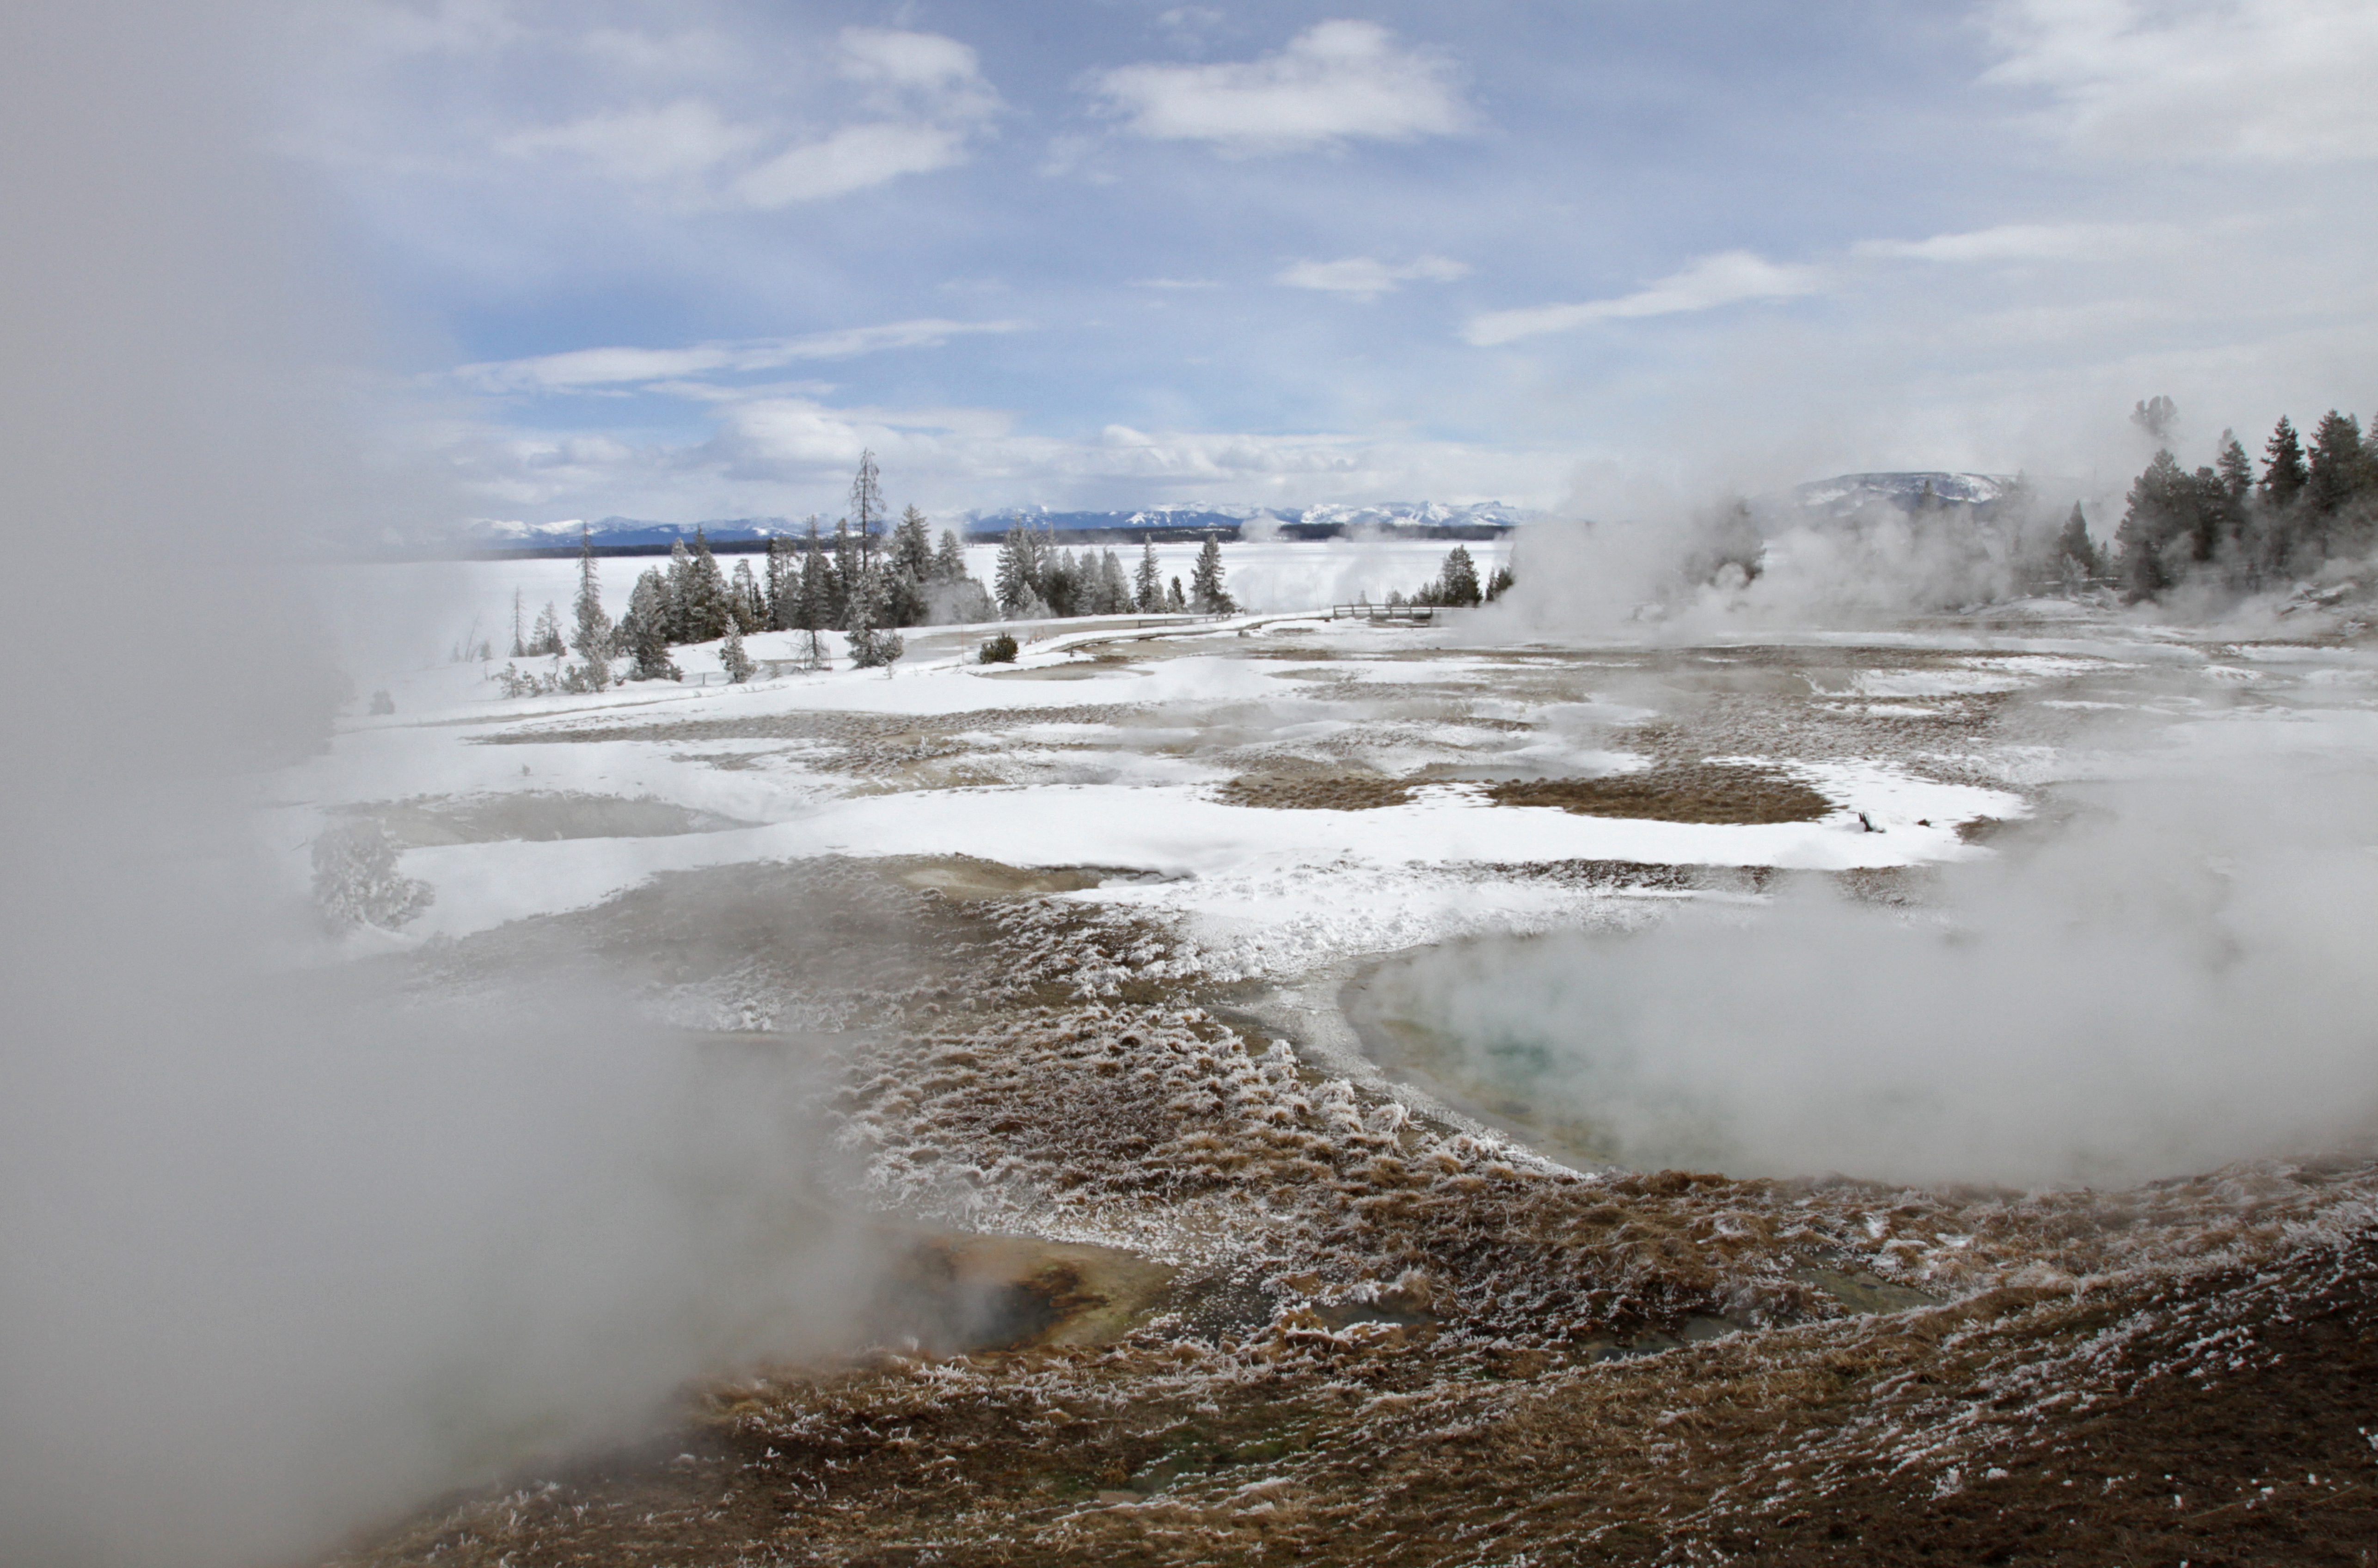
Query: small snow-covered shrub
580, 679
874, 649
738, 665
517, 682
357, 882
1000, 650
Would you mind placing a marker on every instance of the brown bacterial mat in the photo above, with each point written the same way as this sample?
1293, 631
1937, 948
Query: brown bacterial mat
1699, 792
1320, 792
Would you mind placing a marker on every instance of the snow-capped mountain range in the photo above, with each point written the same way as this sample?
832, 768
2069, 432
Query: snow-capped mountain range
1839, 497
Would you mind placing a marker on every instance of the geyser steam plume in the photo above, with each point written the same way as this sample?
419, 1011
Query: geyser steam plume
272, 1261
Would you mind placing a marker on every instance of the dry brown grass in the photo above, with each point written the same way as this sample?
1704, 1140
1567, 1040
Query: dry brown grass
1702, 792
1323, 792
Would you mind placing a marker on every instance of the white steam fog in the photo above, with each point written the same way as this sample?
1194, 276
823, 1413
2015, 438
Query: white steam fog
277, 1254
2173, 981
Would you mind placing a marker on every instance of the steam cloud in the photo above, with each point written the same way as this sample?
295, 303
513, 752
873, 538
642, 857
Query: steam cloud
277, 1256
2177, 980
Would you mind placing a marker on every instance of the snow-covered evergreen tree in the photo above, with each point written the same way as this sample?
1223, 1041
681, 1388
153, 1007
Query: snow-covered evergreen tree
1207, 595
949, 561
1173, 601
677, 586
1147, 583
592, 640
747, 610
709, 609
732, 656
814, 606
646, 628
520, 633
544, 638
1114, 592
912, 545
871, 646
850, 563
783, 585
867, 513
1015, 585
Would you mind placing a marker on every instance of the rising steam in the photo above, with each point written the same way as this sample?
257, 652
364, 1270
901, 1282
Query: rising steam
280, 1254
2175, 981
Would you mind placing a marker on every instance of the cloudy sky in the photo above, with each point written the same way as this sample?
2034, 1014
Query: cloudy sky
684, 261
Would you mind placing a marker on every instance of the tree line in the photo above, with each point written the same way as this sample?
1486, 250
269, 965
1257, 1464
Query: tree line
1035, 580
866, 579
1456, 585
2225, 526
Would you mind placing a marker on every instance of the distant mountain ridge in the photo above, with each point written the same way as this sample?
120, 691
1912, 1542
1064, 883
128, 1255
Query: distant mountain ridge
1838, 499
620, 536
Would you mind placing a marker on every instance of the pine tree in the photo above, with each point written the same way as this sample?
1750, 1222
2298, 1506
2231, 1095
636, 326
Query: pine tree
871, 646
1147, 589
2076, 557
732, 656
679, 586
1061, 584
1016, 583
2334, 475
593, 640
746, 609
711, 611
2158, 529
2283, 466
814, 606
520, 642
2236, 469
849, 562
1500, 584
867, 503
1114, 592
646, 625
1173, 601
784, 584
1205, 592
545, 637
1456, 582
903, 594
949, 561
912, 545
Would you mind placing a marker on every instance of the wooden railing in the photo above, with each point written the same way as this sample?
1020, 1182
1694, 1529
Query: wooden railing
1385, 615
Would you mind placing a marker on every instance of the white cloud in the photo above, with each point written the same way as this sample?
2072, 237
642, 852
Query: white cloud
2024, 242
2263, 80
924, 62
589, 368
1727, 277
1367, 278
642, 145
1334, 81
852, 159
925, 94
786, 455
1176, 284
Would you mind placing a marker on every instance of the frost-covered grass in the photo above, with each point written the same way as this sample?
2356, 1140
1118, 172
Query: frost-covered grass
1068, 971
